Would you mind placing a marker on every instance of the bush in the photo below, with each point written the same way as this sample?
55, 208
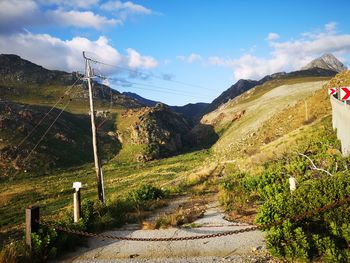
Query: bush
146, 193
324, 235
15, 251
237, 191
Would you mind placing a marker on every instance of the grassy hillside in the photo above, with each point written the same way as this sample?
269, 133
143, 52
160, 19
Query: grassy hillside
240, 122
25, 82
67, 144
299, 143
53, 192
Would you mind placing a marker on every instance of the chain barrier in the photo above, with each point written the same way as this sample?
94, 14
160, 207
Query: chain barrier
220, 234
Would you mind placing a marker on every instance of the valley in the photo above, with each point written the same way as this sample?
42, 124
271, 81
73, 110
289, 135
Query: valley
236, 152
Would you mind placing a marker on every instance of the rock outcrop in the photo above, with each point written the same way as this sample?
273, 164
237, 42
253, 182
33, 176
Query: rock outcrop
327, 61
162, 132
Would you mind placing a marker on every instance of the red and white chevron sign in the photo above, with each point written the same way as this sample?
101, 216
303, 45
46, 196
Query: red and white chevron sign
345, 93
332, 91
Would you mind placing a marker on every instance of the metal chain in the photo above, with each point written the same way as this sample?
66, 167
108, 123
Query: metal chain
220, 234
105, 236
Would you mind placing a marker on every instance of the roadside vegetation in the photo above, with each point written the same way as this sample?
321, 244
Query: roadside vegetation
132, 190
323, 236
291, 140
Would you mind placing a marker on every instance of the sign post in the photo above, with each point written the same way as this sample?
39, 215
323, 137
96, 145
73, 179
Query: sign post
77, 201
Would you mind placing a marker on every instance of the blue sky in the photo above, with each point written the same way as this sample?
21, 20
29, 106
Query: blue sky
205, 45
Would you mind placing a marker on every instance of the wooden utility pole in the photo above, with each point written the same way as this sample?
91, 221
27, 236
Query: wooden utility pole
32, 224
98, 168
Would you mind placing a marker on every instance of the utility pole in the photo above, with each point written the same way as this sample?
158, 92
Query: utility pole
98, 168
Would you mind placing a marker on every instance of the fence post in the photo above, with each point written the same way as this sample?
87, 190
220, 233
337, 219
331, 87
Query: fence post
32, 223
77, 201
292, 184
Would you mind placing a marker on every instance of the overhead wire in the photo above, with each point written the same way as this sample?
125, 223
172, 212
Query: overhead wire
161, 89
47, 114
168, 92
137, 72
48, 129
154, 87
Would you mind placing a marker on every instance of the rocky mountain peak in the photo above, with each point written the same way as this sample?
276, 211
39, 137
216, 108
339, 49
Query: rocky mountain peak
326, 61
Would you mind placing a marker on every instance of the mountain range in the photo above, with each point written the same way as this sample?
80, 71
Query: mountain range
130, 126
326, 61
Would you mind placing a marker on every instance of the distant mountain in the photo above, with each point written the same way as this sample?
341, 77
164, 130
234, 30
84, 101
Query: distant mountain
141, 100
191, 110
24, 81
328, 62
244, 85
235, 90
15, 69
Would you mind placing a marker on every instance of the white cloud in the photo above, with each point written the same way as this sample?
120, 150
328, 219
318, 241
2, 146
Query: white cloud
82, 19
272, 36
55, 53
16, 9
287, 55
193, 57
330, 26
15, 13
135, 60
127, 7
71, 3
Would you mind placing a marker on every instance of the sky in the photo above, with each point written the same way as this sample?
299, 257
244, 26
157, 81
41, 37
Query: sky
175, 51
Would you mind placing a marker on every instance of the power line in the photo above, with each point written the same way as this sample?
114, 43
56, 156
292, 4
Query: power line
160, 89
168, 92
48, 129
47, 114
150, 75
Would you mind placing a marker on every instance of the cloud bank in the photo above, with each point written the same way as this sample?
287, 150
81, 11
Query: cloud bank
16, 16
54, 53
285, 55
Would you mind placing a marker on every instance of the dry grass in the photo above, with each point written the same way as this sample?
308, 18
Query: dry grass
53, 192
244, 215
185, 214
241, 136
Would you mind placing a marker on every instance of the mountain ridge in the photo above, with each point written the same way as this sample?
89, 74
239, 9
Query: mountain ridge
190, 110
21, 79
326, 61
244, 85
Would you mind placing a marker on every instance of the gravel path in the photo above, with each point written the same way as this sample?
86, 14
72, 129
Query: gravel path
243, 247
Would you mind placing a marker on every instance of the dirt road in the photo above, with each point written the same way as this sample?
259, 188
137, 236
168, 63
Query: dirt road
243, 247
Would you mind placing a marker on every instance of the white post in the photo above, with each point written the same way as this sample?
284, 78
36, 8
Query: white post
292, 184
77, 201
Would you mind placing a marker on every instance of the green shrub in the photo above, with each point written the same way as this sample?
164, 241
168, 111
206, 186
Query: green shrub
322, 235
237, 190
146, 193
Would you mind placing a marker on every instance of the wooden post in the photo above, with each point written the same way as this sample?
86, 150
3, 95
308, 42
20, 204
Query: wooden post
32, 223
77, 201
98, 168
